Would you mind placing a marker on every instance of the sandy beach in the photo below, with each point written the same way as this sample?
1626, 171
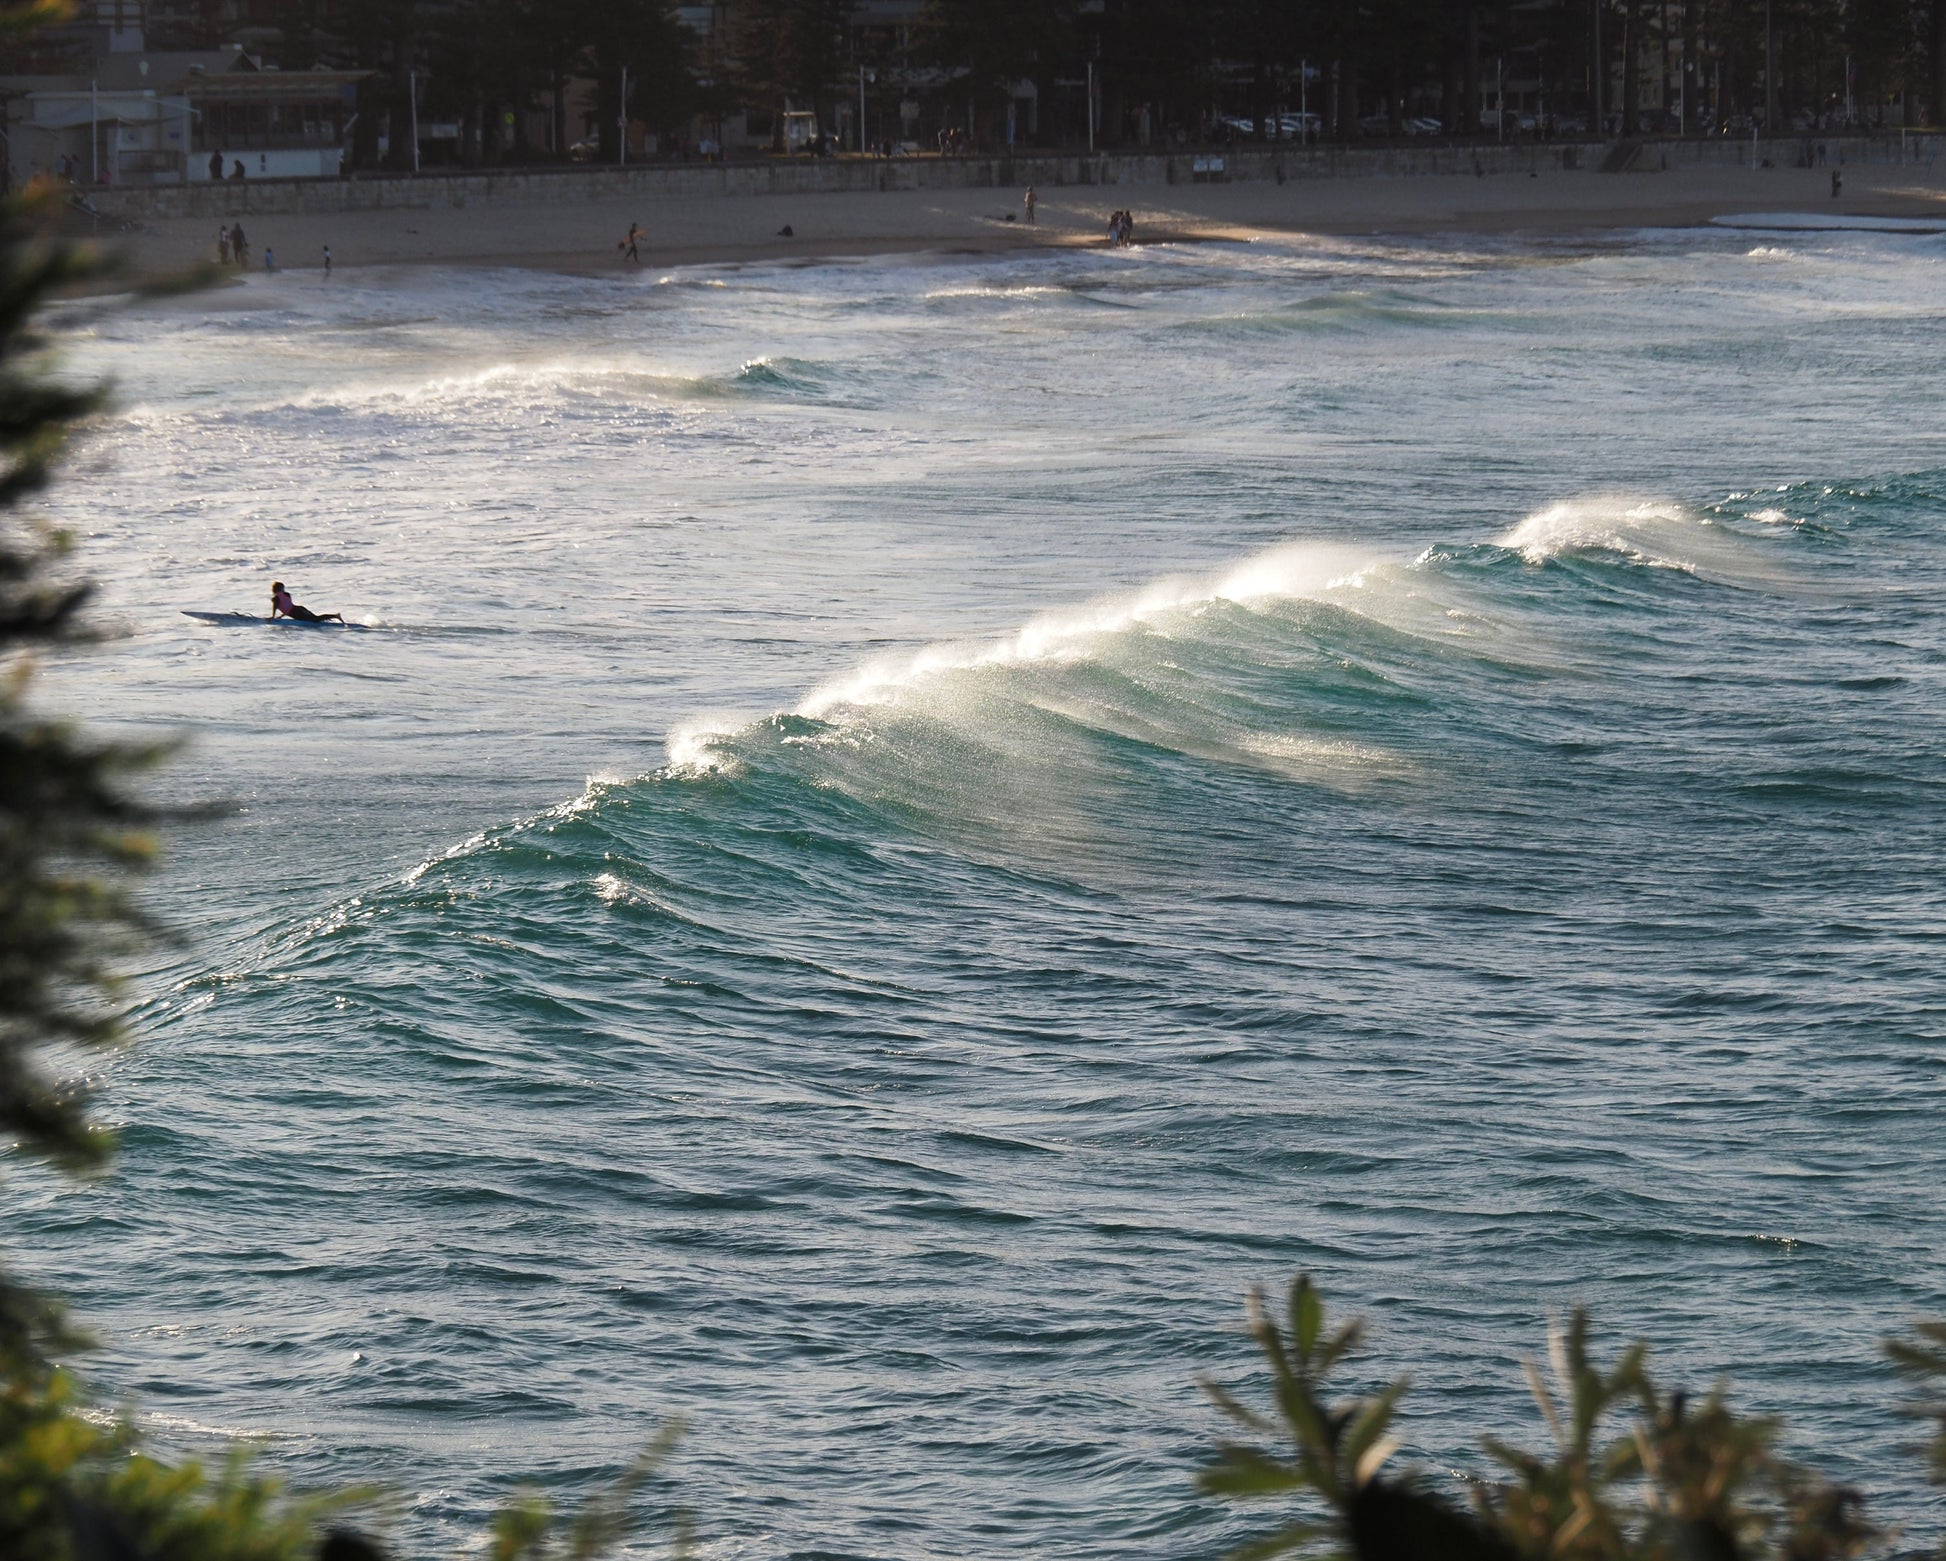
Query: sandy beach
686, 230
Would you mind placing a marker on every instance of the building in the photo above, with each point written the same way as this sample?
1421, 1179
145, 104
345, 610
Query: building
277, 124
129, 117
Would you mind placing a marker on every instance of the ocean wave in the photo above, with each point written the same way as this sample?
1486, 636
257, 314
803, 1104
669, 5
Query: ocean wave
511, 390
1654, 534
1346, 310
1089, 742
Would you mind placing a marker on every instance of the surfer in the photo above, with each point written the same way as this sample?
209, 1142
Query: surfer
280, 602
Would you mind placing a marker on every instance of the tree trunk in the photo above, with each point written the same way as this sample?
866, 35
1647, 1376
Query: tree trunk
1470, 109
608, 108
404, 60
1692, 80
1938, 41
1598, 74
1451, 94
1631, 67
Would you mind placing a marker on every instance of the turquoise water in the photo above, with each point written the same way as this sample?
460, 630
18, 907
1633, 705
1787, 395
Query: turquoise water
908, 829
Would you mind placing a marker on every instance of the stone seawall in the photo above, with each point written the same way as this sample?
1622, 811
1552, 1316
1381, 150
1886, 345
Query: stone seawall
548, 186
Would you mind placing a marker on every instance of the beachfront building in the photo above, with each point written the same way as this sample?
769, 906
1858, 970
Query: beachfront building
163, 118
276, 124
119, 119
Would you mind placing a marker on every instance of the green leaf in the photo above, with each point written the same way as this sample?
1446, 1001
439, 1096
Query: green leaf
1343, 1342
1237, 1411
1307, 1316
1373, 1417
1244, 1471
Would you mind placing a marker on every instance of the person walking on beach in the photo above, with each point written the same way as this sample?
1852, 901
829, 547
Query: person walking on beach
327, 262
1030, 203
223, 246
239, 246
281, 603
627, 245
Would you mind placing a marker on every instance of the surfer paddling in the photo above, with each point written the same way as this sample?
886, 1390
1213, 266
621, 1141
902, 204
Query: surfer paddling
280, 602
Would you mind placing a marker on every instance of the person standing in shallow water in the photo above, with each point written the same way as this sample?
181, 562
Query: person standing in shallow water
281, 603
627, 245
1030, 203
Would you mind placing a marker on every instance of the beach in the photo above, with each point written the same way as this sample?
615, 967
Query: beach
584, 235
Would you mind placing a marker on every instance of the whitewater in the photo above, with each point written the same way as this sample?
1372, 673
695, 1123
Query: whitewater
903, 830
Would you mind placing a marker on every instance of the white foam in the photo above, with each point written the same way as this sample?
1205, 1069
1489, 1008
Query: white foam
1644, 531
1826, 222
1295, 570
695, 747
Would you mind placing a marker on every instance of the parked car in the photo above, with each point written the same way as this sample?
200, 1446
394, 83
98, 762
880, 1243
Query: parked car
1424, 126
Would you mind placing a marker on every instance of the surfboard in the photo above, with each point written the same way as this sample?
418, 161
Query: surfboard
249, 620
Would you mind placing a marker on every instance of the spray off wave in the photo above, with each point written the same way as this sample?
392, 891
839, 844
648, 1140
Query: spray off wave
1315, 662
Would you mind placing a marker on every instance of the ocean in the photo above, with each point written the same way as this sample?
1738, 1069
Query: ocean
902, 831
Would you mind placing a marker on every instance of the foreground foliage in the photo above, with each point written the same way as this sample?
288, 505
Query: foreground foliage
1633, 1472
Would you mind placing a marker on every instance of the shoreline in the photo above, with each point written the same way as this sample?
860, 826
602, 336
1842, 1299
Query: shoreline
580, 238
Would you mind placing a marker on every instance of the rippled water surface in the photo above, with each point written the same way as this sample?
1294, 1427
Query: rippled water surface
900, 832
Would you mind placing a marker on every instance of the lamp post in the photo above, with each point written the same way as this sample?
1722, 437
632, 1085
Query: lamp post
621, 121
863, 77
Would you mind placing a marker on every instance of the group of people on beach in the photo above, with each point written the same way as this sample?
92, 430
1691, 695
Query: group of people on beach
1121, 229
233, 249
